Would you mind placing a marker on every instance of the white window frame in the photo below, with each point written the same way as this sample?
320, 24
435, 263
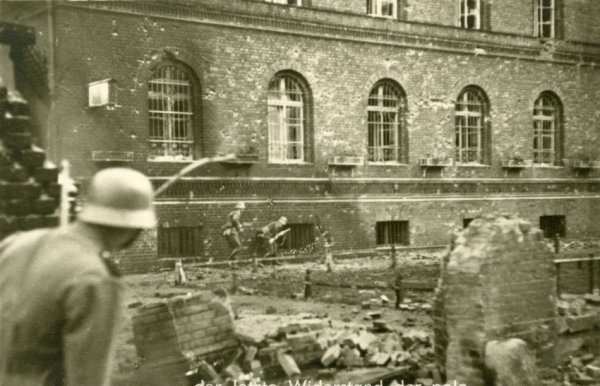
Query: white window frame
464, 12
462, 131
539, 22
375, 8
376, 136
168, 86
279, 123
545, 155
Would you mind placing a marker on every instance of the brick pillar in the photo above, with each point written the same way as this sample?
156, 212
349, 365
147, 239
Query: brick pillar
497, 282
167, 332
29, 192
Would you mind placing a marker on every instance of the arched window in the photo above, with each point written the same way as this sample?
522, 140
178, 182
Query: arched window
385, 121
287, 103
471, 121
547, 130
171, 112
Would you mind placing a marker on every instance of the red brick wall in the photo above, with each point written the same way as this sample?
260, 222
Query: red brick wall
234, 66
352, 222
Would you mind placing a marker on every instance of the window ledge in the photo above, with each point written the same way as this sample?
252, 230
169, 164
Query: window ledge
461, 165
187, 161
541, 166
289, 163
386, 164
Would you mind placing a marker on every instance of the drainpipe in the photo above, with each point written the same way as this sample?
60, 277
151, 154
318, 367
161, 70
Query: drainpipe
51, 137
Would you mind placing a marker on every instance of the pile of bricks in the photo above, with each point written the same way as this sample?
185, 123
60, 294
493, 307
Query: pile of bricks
171, 333
498, 282
578, 313
310, 345
29, 190
583, 369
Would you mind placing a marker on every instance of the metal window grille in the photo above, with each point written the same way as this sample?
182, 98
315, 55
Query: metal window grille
300, 236
384, 110
179, 241
469, 117
383, 8
171, 112
286, 120
544, 18
470, 14
545, 118
552, 225
392, 232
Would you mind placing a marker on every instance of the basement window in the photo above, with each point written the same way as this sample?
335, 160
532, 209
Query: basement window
552, 225
382, 8
300, 236
466, 222
392, 232
180, 241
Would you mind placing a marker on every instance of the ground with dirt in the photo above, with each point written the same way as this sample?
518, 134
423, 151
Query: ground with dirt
276, 291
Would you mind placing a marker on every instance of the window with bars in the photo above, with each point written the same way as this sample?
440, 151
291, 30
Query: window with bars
385, 110
469, 14
286, 102
545, 18
553, 225
179, 241
470, 120
392, 232
382, 8
546, 130
299, 237
171, 110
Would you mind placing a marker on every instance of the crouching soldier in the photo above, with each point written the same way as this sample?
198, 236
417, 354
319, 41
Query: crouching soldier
268, 235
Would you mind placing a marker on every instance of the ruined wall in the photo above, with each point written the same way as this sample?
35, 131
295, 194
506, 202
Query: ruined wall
169, 333
498, 282
29, 192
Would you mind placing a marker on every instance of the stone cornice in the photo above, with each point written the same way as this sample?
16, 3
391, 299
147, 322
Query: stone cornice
200, 188
357, 28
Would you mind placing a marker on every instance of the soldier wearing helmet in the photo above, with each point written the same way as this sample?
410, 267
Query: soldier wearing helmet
60, 296
232, 228
268, 236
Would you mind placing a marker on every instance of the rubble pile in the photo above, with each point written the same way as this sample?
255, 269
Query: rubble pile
313, 346
578, 313
583, 369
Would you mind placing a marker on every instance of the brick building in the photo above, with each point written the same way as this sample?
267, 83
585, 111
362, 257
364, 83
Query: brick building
386, 121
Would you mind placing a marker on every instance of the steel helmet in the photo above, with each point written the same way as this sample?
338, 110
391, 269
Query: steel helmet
240, 205
119, 197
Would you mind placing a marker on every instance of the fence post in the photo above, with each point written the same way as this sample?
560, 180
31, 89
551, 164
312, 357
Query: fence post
557, 280
556, 243
393, 253
591, 274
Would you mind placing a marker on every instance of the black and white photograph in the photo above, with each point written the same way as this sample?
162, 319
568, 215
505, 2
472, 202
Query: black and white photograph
300, 193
